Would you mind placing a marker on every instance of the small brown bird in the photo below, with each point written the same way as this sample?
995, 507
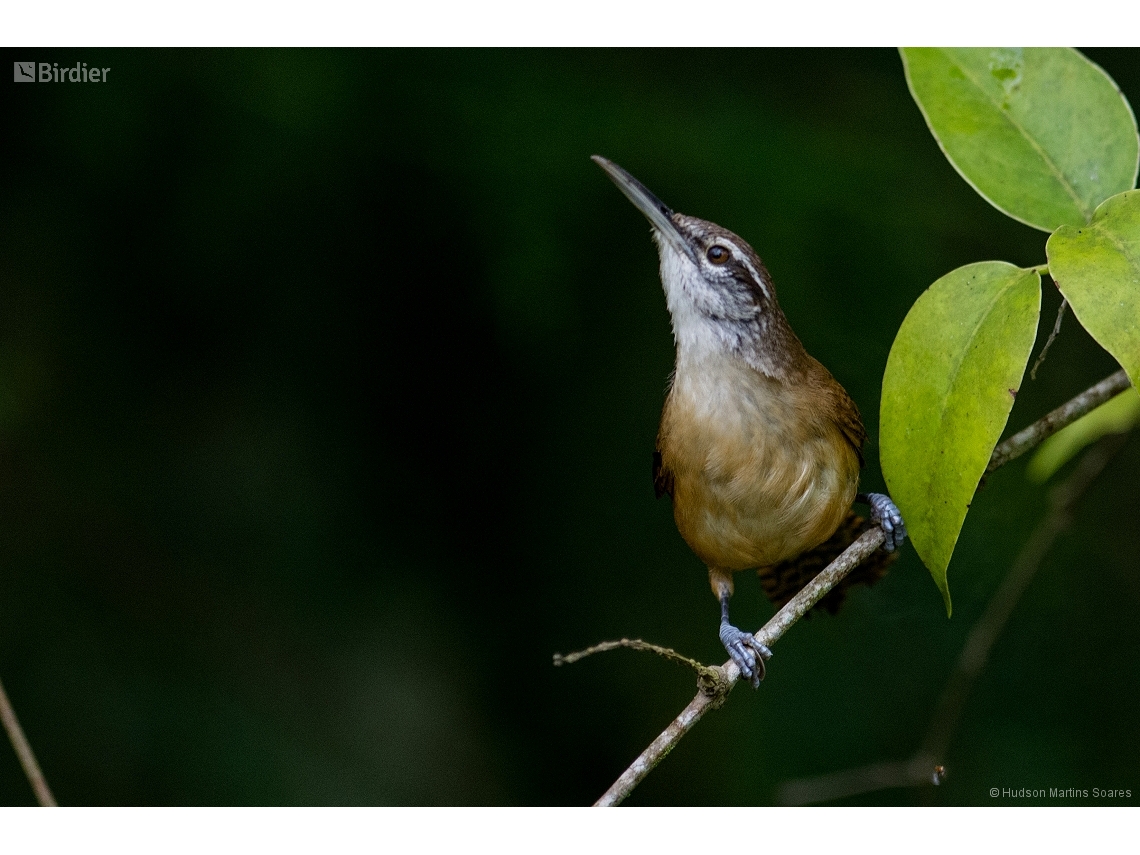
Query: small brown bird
759, 446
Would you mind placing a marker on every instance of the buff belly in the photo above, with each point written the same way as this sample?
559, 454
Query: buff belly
758, 477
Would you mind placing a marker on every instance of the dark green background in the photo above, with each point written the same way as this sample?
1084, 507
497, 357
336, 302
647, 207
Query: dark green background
328, 386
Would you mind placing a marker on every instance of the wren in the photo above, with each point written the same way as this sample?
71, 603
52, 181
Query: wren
759, 446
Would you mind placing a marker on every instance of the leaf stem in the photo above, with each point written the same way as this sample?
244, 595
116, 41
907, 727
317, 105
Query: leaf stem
1052, 337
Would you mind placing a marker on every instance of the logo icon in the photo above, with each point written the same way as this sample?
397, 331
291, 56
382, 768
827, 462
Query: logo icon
24, 72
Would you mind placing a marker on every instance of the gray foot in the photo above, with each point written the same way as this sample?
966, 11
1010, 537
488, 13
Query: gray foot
886, 515
748, 654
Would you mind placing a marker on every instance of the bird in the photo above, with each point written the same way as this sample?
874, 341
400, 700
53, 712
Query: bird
759, 446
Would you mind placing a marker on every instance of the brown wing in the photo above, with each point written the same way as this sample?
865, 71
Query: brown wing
850, 423
662, 476
826, 390
783, 581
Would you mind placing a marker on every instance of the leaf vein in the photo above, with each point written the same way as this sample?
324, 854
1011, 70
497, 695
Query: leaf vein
1048, 161
957, 368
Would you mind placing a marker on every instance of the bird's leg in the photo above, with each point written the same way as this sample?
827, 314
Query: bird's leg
748, 654
885, 514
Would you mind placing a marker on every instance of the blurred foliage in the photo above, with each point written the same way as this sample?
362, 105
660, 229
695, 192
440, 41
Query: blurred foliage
1117, 415
328, 386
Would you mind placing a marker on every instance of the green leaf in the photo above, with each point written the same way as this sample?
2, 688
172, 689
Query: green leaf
1097, 268
951, 377
1042, 134
1116, 415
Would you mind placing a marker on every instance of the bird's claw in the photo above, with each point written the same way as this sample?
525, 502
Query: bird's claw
886, 515
748, 653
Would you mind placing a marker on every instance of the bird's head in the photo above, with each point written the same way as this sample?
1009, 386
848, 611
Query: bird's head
719, 294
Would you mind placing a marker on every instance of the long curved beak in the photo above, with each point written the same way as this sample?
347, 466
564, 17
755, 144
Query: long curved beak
656, 211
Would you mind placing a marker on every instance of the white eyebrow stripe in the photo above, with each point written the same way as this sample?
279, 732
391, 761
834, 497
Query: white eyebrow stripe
743, 259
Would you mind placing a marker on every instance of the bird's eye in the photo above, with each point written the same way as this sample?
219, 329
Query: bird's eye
717, 254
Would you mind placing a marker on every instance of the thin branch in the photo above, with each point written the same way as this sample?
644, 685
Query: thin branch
24, 752
632, 644
852, 782
1064, 415
919, 768
1052, 337
712, 696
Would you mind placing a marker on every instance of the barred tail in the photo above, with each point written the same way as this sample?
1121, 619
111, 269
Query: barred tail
783, 581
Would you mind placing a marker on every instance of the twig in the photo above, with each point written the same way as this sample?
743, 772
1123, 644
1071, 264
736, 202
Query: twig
1064, 415
1049, 341
851, 782
918, 769
24, 752
632, 644
712, 697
